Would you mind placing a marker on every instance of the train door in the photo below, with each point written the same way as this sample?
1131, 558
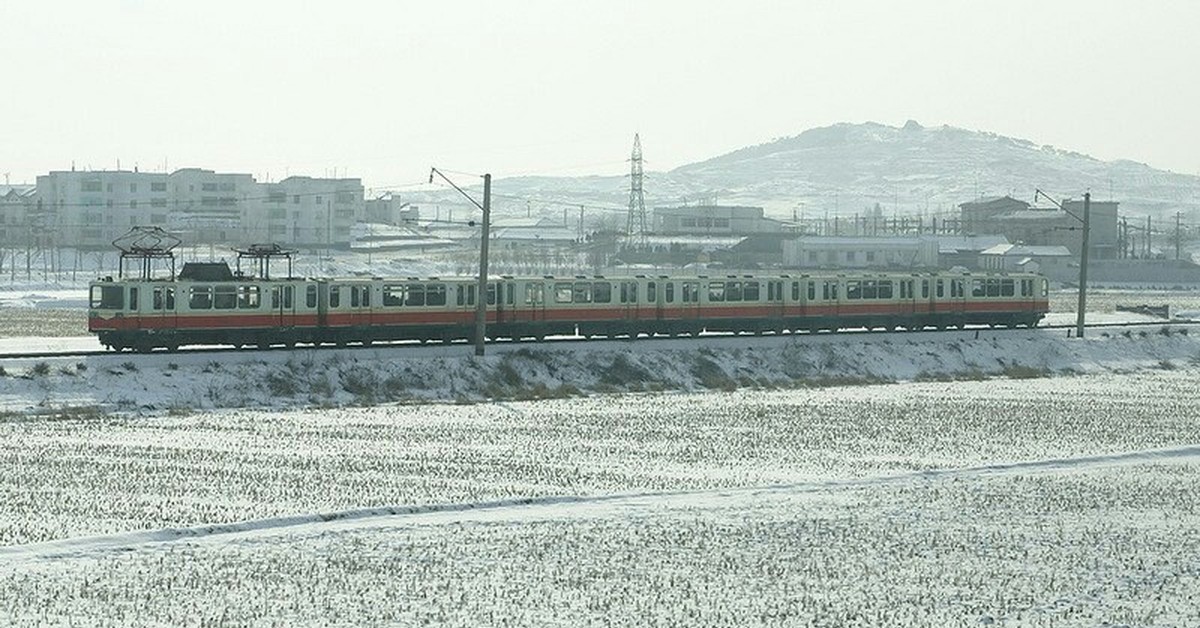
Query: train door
162, 307
627, 298
360, 304
655, 290
283, 306
957, 305
317, 298
689, 293
908, 297
531, 305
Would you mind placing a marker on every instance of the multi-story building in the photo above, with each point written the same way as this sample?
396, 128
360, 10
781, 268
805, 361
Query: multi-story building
18, 214
306, 211
908, 252
713, 220
91, 209
208, 206
1024, 224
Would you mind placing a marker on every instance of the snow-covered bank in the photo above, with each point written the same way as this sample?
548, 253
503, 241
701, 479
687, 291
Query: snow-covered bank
180, 382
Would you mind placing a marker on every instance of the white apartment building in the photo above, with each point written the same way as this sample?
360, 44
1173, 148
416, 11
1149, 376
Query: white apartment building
861, 252
90, 209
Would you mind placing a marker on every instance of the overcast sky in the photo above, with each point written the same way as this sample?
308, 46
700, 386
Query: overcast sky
384, 90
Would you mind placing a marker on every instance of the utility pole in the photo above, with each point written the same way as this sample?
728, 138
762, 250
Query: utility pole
481, 291
1083, 264
1178, 233
484, 236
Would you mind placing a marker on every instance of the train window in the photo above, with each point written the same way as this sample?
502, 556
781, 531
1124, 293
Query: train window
627, 295
393, 295
601, 292
750, 291
733, 291
691, 291
812, 290
435, 294
491, 294
716, 291
978, 289
365, 299
108, 297
200, 298
310, 296
534, 293
652, 292
854, 290
562, 293
993, 287
924, 288
335, 297
1045, 287
582, 293
796, 291
248, 297
825, 291
939, 292
163, 298
885, 290
414, 295
669, 291
353, 296
508, 293
1006, 287
133, 298
869, 290
225, 297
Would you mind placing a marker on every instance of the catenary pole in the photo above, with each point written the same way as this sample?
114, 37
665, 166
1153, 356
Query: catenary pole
1083, 264
481, 289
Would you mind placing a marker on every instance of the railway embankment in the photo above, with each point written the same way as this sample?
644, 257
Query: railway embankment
164, 383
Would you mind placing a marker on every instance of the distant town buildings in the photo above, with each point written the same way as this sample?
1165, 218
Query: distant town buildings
713, 220
89, 209
1022, 223
895, 252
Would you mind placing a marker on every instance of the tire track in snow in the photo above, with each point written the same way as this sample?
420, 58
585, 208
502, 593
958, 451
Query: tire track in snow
554, 507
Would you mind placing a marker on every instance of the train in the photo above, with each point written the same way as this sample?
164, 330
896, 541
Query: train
207, 304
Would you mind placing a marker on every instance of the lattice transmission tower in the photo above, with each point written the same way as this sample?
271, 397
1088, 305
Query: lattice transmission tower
635, 225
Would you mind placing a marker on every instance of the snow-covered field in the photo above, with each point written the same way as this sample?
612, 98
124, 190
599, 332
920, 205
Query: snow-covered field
1066, 501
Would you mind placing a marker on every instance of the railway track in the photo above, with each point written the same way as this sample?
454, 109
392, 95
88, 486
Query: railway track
560, 339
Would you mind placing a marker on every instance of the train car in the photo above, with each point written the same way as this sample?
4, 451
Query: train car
228, 309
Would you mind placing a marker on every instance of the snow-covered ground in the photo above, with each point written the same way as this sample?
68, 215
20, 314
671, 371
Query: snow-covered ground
998, 502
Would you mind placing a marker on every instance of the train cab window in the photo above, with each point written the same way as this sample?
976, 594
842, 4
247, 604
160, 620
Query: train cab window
310, 296
200, 298
602, 292
163, 298
669, 291
651, 292
435, 294
335, 296
133, 298
750, 291
248, 297
1007, 288
716, 291
733, 291
534, 294
414, 295
108, 297
562, 293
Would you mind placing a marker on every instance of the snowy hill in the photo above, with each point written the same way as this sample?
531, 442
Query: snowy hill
848, 168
